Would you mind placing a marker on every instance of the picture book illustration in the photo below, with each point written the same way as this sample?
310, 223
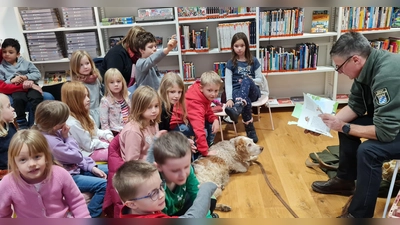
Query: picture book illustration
308, 113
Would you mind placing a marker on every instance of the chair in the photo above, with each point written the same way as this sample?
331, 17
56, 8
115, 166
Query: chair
389, 197
221, 114
263, 100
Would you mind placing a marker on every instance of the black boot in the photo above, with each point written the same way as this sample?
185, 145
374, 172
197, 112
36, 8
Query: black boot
251, 131
234, 111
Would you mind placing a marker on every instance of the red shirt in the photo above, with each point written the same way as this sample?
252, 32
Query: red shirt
10, 88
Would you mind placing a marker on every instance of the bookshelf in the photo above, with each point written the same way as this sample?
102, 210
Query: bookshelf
323, 80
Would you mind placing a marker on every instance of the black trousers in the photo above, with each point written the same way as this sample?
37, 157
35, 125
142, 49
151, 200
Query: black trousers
21, 99
362, 161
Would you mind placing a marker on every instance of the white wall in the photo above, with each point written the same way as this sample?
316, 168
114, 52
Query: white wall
11, 28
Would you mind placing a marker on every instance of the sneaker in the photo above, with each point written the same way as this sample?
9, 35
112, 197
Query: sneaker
227, 119
214, 215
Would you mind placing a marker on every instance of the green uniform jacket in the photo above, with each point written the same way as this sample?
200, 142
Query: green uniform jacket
376, 92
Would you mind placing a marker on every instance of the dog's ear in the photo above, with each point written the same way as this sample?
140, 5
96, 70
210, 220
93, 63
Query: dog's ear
242, 154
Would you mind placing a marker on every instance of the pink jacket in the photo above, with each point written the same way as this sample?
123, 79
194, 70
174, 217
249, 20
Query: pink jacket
110, 114
134, 142
112, 202
47, 202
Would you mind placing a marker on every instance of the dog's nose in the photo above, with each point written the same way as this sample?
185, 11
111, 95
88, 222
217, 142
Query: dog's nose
261, 148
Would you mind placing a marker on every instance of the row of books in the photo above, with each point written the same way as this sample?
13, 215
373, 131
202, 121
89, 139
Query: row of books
36, 19
189, 73
281, 22
78, 16
82, 41
117, 20
277, 59
225, 32
391, 44
194, 40
213, 12
219, 67
44, 46
366, 18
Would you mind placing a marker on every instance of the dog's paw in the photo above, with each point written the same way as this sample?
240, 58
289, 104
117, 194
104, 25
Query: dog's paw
223, 208
222, 187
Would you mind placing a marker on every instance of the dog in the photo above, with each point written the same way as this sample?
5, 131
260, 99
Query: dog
233, 156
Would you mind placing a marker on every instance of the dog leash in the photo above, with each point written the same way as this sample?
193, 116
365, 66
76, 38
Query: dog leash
276, 193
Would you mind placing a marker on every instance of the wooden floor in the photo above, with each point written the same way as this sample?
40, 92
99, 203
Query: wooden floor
285, 151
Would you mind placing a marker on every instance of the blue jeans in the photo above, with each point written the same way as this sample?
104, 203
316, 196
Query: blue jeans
187, 130
88, 182
248, 91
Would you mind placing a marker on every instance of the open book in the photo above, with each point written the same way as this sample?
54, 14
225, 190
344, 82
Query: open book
308, 112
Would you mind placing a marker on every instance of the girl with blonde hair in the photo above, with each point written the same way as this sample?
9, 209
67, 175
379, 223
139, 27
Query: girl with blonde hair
36, 187
92, 140
7, 130
51, 117
115, 104
138, 134
83, 69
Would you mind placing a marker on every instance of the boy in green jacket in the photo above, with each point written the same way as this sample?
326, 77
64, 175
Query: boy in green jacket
172, 155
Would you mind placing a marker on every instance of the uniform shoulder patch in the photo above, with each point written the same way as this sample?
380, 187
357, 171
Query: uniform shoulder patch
382, 96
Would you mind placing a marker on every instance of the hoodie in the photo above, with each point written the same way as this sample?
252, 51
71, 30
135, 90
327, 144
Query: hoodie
199, 110
10, 88
23, 67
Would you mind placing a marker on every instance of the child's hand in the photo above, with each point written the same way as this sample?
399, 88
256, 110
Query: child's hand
172, 42
229, 103
215, 126
99, 173
192, 146
17, 79
37, 88
65, 131
159, 133
27, 84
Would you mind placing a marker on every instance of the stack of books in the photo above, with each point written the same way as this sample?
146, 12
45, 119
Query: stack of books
38, 19
78, 16
45, 46
82, 41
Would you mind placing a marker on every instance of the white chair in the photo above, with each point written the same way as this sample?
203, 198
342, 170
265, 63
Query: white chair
263, 100
389, 197
220, 115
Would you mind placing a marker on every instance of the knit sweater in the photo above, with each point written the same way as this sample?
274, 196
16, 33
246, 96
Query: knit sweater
57, 197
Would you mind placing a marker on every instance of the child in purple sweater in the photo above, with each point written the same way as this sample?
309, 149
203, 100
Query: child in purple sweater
50, 120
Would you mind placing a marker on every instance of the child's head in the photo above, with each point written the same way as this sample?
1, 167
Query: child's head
6, 114
145, 106
145, 43
129, 40
140, 187
240, 48
115, 83
76, 96
172, 154
51, 116
210, 82
29, 156
82, 67
172, 91
10, 50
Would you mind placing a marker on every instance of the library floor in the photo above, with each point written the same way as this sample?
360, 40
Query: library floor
285, 151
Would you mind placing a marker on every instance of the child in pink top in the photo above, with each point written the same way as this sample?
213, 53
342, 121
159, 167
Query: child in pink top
37, 188
144, 116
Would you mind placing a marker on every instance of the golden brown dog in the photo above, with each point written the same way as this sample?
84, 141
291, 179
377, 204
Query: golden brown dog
233, 156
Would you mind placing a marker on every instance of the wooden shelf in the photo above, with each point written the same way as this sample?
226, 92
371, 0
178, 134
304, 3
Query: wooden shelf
320, 69
305, 35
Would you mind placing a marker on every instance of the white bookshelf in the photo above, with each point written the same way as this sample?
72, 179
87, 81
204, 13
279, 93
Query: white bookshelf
323, 81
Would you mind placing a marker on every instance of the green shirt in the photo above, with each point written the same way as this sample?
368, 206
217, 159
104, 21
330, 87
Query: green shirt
175, 199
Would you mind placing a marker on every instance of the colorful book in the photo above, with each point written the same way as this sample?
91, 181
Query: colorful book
320, 21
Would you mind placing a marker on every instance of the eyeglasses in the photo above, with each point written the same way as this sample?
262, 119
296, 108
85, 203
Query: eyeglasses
153, 195
340, 67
